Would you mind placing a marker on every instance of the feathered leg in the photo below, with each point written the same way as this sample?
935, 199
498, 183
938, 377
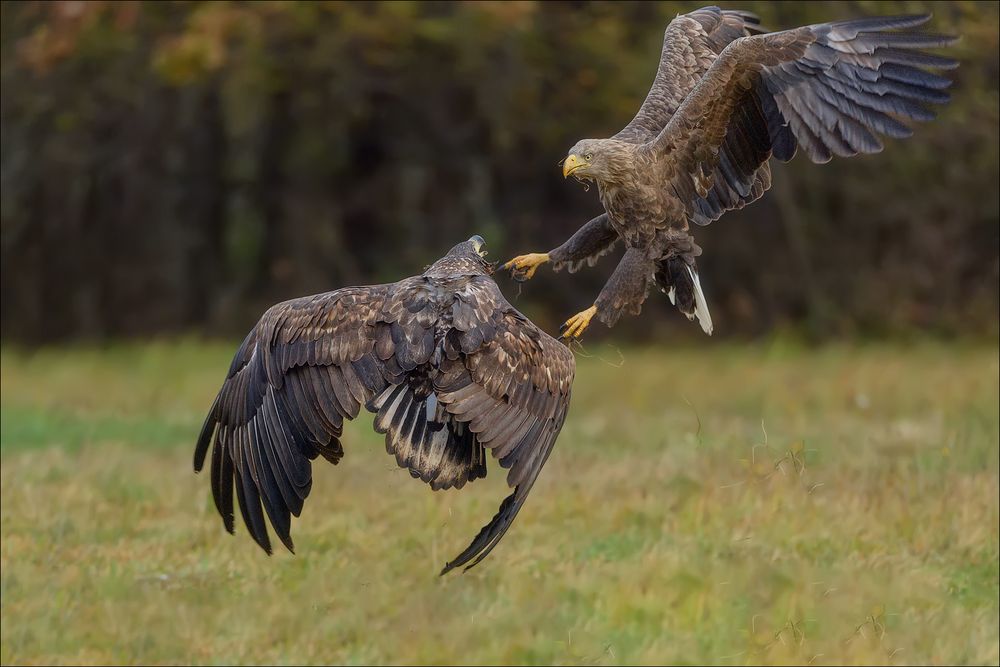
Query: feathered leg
624, 292
594, 239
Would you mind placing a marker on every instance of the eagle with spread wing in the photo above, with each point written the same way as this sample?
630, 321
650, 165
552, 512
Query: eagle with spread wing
448, 367
727, 96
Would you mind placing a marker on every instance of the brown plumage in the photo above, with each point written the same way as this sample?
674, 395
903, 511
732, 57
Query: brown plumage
449, 368
726, 97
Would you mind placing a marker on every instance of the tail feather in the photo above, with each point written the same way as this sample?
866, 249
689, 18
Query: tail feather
426, 440
680, 282
700, 303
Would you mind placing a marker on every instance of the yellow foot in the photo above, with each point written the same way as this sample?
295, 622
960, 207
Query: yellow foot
523, 267
577, 324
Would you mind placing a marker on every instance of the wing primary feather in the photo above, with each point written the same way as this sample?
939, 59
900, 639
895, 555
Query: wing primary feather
249, 498
205, 436
487, 538
225, 502
272, 496
278, 452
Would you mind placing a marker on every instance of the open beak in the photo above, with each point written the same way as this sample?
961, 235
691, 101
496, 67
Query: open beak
571, 164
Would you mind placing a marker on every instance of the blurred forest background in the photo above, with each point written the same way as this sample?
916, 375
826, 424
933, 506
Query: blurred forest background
176, 167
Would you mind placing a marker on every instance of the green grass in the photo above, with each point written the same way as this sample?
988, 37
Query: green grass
716, 504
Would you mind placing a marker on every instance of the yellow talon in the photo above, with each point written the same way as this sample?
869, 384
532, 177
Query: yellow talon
577, 324
523, 267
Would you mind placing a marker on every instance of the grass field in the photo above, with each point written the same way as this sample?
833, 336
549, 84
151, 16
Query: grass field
716, 504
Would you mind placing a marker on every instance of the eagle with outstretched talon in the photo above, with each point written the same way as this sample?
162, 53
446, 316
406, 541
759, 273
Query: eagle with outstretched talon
727, 96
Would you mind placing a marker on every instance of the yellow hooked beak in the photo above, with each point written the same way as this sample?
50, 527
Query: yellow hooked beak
572, 163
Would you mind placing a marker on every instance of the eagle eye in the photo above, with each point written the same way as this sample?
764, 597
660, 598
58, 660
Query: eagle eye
588, 156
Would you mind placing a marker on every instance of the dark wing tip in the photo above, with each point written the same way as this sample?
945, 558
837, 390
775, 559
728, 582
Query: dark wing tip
205, 437
261, 538
489, 536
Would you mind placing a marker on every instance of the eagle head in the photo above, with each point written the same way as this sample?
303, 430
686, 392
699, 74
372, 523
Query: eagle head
466, 258
598, 160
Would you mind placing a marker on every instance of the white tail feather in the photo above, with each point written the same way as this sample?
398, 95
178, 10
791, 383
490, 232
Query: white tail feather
700, 304
672, 295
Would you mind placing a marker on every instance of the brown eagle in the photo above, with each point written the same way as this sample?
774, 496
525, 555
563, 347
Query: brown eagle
448, 367
727, 96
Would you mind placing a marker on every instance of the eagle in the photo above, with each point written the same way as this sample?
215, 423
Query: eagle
727, 96
446, 365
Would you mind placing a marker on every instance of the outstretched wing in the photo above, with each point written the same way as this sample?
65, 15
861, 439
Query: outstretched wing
832, 88
498, 382
691, 43
305, 367
510, 382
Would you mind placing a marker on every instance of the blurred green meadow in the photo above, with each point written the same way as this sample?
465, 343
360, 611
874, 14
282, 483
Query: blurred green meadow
706, 504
